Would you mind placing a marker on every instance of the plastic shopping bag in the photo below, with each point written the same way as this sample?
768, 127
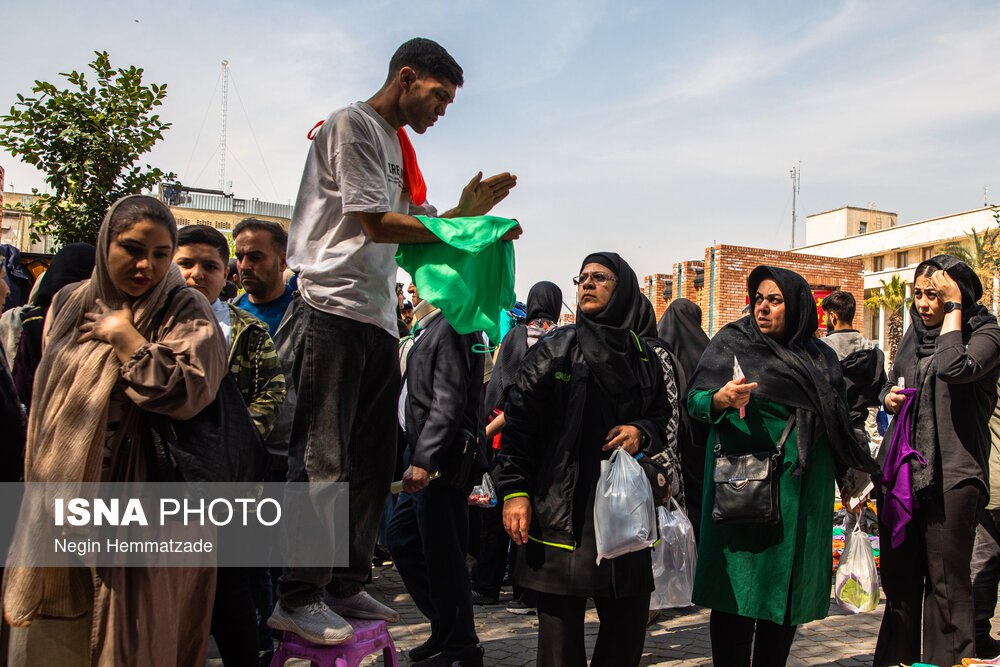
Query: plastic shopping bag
675, 557
624, 515
483, 494
856, 589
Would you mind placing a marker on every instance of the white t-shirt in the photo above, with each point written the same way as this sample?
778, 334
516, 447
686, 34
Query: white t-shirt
225, 318
354, 165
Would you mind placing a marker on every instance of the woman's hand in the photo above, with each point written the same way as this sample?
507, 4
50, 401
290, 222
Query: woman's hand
894, 400
735, 394
946, 288
113, 327
517, 518
626, 436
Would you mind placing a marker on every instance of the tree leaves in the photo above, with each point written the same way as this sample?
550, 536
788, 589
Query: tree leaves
88, 141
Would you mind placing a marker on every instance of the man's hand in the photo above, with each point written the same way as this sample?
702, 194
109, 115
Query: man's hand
414, 479
626, 436
482, 194
894, 401
517, 518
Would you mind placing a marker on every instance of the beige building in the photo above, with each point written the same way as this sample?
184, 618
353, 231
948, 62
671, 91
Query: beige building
190, 207
885, 247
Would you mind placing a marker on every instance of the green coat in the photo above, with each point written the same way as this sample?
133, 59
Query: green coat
779, 573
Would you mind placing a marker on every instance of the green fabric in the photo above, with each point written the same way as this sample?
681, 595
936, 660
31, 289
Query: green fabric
762, 571
469, 276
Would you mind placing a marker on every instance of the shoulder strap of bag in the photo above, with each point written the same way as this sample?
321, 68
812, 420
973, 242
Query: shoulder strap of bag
779, 448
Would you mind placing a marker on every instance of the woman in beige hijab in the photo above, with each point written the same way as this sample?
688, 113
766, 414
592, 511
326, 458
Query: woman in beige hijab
97, 367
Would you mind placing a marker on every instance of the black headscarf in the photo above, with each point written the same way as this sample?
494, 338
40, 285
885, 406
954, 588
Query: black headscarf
73, 263
799, 371
680, 328
544, 303
608, 340
915, 362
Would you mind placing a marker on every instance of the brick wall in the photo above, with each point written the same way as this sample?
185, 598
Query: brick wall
654, 287
727, 268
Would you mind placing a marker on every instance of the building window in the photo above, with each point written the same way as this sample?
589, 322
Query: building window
862, 227
926, 253
878, 263
902, 259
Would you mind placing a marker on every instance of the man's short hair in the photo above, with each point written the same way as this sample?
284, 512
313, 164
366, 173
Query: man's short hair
191, 234
427, 58
842, 303
278, 233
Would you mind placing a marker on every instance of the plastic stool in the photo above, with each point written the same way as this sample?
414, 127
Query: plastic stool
369, 637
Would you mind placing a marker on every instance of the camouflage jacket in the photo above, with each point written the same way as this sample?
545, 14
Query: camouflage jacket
254, 365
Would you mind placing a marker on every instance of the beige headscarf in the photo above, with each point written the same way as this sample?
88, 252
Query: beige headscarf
68, 420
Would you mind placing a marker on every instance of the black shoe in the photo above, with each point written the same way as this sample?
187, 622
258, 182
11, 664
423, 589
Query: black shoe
474, 658
480, 598
987, 647
381, 555
428, 649
520, 608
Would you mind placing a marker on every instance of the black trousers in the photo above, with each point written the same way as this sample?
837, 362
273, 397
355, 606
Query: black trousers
234, 616
346, 375
428, 539
986, 572
928, 578
619, 640
735, 639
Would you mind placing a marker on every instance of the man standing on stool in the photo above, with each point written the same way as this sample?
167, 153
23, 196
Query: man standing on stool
353, 207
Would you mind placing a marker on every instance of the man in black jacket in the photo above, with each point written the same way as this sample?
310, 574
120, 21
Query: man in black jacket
863, 363
429, 532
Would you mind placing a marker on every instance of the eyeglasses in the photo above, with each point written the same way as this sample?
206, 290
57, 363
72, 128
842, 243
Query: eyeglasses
599, 278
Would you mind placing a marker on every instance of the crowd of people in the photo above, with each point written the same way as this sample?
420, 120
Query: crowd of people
344, 381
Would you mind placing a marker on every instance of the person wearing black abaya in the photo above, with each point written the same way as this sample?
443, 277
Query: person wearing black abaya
73, 263
680, 329
950, 356
763, 580
583, 391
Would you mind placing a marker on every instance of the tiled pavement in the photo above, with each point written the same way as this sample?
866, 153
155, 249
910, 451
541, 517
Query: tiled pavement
679, 638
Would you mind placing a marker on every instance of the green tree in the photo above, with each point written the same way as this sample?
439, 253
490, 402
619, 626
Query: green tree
981, 251
87, 140
892, 297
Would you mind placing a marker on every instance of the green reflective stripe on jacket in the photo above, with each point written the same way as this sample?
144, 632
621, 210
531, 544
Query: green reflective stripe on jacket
567, 547
253, 363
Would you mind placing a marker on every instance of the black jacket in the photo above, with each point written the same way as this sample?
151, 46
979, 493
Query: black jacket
540, 455
864, 372
444, 381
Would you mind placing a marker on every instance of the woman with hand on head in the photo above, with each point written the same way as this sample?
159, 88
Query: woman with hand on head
581, 392
129, 339
764, 579
936, 480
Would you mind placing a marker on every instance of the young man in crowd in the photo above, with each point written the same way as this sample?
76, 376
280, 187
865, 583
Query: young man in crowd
260, 260
242, 593
429, 532
863, 363
354, 205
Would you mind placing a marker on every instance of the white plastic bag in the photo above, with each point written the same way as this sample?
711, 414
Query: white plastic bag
675, 557
483, 494
856, 589
624, 515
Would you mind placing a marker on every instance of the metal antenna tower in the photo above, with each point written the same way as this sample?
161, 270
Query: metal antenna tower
796, 173
225, 115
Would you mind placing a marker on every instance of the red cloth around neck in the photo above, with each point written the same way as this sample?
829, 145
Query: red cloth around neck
412, 176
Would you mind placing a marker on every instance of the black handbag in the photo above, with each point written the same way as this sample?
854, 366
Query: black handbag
219, 444
658, 475
746, 485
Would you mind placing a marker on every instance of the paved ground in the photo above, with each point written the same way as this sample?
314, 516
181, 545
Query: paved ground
679, 638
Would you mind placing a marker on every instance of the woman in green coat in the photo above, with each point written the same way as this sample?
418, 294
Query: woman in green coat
762, 580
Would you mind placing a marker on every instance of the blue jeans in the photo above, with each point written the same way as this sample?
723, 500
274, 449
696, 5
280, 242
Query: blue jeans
346, 376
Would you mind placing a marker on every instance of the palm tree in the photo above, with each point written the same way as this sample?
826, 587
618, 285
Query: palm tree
892, 298
981, 251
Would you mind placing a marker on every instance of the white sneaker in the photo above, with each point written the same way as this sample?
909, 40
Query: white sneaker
362, 605
315, 623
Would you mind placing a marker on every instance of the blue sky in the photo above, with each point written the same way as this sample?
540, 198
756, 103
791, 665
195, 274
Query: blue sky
649, 128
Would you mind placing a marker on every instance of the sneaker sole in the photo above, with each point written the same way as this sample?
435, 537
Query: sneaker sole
522, 612
288, 626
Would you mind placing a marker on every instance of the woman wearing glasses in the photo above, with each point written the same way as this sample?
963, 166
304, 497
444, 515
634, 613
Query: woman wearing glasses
581, 392
764, 579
